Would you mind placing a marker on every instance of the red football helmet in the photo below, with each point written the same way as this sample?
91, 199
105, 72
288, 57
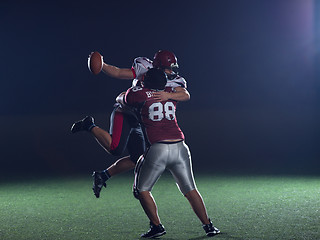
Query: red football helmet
165, 60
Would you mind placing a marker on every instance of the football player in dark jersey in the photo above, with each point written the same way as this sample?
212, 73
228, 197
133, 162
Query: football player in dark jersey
125, 131
167, 151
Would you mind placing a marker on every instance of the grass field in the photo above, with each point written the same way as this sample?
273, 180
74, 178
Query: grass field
243, 207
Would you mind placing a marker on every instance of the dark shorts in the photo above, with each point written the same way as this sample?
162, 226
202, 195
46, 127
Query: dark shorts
126, 132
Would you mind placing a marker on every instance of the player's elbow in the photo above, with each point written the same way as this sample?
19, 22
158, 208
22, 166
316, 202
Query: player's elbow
185, 96
188, 96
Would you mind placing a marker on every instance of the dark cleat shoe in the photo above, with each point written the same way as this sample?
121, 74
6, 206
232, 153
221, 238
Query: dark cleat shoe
154, 231
85, 124
98, 183
210, 229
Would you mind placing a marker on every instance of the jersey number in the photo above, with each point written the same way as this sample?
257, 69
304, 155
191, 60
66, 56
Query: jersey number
156, 112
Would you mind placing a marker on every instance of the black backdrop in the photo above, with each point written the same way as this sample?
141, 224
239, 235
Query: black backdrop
252, 69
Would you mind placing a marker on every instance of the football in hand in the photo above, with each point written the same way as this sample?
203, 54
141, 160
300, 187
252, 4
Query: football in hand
95, 62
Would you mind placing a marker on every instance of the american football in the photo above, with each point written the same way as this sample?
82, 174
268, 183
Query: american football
95, 62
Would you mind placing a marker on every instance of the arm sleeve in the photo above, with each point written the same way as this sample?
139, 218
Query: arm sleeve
177, 82
140, 66
134, 72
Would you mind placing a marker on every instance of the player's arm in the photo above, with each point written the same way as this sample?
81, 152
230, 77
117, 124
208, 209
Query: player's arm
180, 94
115, 72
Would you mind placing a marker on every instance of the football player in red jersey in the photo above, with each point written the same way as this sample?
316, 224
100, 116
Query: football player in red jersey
125, 131
167, 151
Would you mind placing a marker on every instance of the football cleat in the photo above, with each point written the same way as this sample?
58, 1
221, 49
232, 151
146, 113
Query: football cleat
85, 124
210, 229
98, 183
154, 231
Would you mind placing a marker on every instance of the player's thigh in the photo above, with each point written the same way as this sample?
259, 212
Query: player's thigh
136, 143
150, 167
181, 169
119, 130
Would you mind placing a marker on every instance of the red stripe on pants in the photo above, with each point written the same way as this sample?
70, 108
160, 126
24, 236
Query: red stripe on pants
117, 130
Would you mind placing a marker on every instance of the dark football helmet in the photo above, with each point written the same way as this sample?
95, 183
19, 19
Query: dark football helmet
155, 78
164, 59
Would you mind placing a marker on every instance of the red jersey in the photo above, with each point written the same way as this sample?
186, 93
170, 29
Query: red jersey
158, 118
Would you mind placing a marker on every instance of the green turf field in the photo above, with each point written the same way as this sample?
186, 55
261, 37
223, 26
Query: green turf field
242, 207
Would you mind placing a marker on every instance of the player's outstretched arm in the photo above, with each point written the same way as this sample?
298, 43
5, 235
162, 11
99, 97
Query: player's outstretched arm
180, 94
115, 72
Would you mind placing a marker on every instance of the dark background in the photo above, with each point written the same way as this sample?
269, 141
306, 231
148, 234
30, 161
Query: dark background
252, 69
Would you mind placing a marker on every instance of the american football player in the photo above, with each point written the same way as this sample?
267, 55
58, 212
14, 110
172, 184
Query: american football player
125, 129
167, 151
